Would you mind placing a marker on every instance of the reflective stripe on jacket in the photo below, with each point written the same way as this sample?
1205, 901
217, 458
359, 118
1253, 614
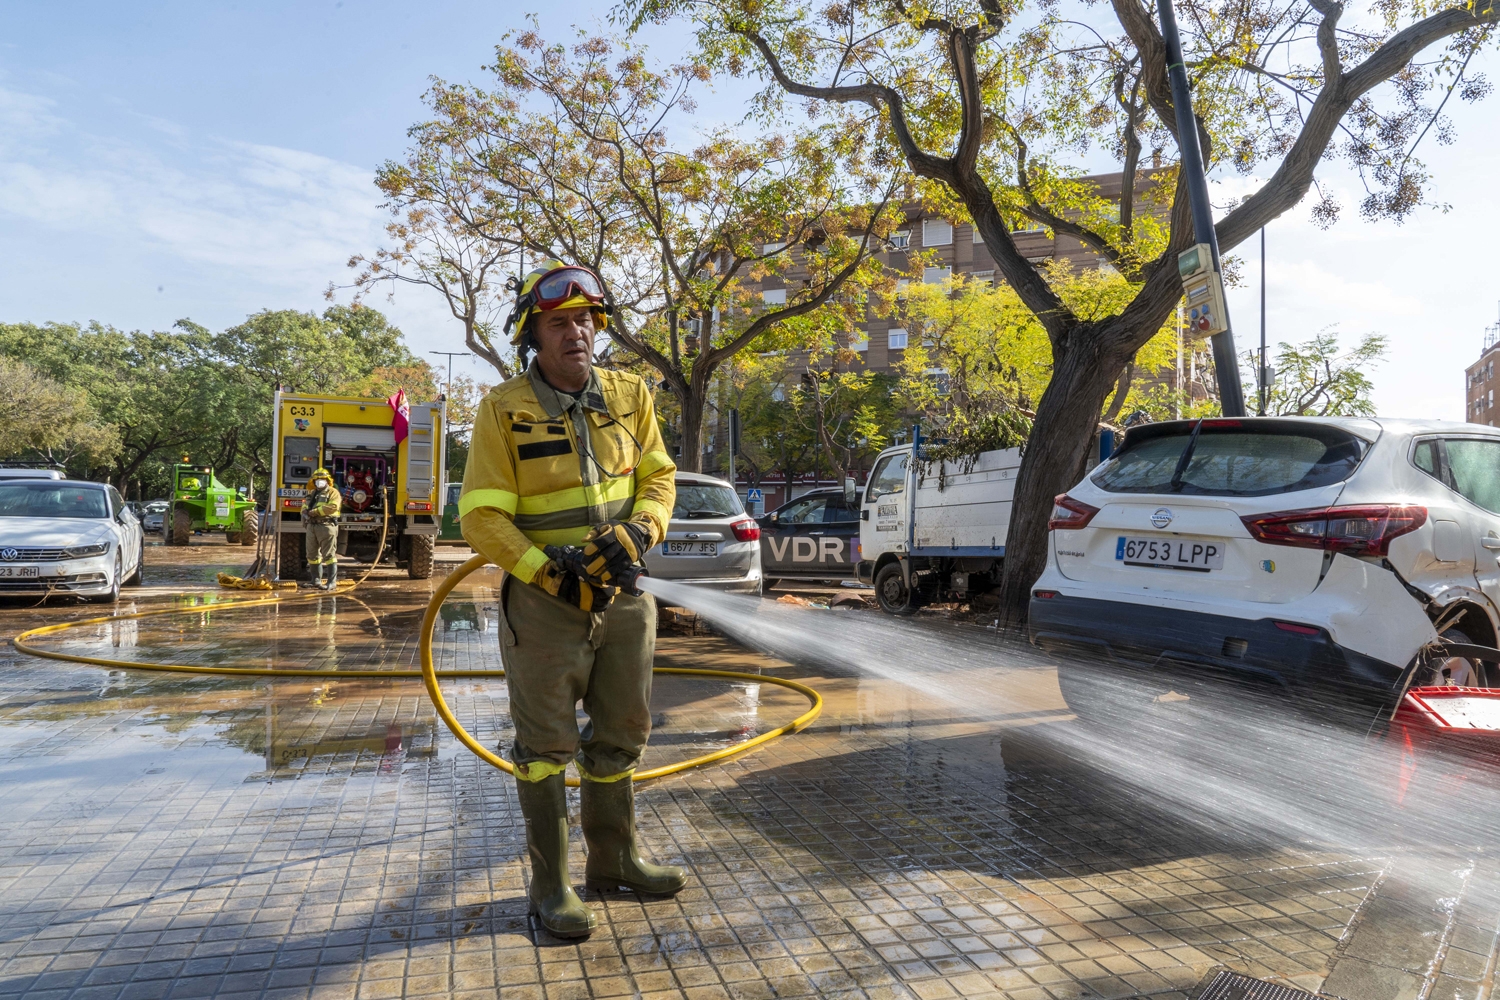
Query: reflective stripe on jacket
322, 506
544, 467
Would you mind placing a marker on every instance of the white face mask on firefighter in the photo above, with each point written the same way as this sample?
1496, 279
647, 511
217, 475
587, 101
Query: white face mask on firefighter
320, 483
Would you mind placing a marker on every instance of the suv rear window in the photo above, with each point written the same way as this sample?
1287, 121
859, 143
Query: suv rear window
1231, 459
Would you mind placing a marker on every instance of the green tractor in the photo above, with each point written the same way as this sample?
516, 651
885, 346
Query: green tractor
201, 503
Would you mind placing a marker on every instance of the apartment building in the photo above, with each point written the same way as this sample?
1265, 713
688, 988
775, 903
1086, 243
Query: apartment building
959, 249
1479, 383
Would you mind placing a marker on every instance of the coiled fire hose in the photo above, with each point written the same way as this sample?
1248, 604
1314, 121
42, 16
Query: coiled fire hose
429, 673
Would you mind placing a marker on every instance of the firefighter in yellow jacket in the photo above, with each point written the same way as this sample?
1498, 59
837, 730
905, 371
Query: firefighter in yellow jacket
566, 454
320, 520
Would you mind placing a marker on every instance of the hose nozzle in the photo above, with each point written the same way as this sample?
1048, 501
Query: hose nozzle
570, 557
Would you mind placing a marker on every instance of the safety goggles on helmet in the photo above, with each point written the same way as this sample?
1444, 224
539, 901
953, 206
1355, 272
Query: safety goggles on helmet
559, 285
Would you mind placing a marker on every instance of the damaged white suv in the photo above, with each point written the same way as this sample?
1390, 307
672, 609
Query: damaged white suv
1304, 550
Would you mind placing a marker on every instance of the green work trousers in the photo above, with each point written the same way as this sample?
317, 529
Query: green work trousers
556, 655
322, 542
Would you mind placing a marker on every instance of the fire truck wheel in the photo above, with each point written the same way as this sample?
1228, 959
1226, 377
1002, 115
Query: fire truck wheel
182, 525
250, 527
419, 567
293, 557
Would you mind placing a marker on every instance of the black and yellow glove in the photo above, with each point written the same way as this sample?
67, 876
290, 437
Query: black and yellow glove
612, 548
568, 586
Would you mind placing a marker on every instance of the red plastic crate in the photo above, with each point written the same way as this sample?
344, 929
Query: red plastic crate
1446, 736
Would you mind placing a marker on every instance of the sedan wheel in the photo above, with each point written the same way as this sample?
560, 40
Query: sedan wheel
139, 576
112, 596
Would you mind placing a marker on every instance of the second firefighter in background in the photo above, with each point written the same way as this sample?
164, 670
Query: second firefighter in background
320, 518
566, 454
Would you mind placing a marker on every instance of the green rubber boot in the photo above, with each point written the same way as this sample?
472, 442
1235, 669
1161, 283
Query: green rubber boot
608, 813
544, 804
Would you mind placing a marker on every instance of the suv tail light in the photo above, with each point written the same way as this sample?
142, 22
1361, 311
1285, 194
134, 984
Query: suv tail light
745, 530
1359, 531
1070, 513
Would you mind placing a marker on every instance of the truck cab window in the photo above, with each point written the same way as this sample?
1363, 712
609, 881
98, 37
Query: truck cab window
889, 477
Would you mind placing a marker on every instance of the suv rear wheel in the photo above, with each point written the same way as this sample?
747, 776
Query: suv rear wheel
1460, 671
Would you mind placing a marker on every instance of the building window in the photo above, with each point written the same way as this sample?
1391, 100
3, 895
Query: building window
1028, 226
770, 248
978, 236
895, 339
986, 278
937, 233
859, 341
774, 296
901, 240
936, 275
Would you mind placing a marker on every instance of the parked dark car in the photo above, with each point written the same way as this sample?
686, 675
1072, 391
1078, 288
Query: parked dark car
814, 537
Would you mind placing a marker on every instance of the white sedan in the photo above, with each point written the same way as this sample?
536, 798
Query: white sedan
67, 537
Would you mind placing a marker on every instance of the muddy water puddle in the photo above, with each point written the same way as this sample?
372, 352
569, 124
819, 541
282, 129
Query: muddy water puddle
271, 729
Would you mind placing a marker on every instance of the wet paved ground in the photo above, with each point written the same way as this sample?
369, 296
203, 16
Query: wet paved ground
171, 836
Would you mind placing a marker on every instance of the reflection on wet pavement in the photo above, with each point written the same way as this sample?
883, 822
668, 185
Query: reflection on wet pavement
326, 837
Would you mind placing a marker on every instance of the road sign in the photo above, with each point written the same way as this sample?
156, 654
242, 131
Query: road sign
755, 496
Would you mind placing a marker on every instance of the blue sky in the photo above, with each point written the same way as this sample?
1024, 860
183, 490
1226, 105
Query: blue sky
202, 160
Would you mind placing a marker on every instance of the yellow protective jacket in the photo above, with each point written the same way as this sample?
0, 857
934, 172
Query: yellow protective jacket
544, 467
322, 506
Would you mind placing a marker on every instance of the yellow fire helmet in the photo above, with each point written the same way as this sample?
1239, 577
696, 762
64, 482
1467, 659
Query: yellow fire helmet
322, 473
555, 285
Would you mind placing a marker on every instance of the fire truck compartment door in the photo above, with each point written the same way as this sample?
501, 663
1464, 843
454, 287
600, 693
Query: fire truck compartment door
359, 438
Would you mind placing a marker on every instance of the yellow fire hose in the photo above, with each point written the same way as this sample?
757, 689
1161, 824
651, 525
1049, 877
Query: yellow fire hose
429, 673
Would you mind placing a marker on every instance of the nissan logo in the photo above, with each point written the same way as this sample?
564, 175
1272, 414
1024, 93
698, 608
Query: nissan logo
1161, 517
9, 554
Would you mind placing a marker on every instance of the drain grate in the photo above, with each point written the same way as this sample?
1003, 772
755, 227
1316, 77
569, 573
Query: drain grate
1233, 986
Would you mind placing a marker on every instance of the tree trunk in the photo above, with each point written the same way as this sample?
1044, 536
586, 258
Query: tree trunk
1082, 375
692, 403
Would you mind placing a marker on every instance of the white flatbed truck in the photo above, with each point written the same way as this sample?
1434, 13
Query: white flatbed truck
932, 531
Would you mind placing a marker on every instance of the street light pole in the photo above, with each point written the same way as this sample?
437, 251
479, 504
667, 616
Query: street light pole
448, 389
1226, 365
1260, 378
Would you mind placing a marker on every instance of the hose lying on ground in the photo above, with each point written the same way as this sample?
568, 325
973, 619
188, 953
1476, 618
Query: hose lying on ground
428, 672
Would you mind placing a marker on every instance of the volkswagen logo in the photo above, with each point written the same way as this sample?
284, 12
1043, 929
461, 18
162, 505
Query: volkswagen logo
9, 554
1161, 517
